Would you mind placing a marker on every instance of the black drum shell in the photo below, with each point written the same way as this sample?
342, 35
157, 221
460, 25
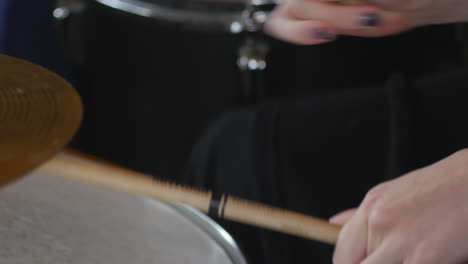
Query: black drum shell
150, 90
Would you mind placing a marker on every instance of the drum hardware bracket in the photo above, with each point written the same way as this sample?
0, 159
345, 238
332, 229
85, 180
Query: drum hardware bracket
253, 17
67, 15
252, 55
251, 63
64, 8
253, 52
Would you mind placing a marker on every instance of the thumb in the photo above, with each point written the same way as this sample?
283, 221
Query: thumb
343, 217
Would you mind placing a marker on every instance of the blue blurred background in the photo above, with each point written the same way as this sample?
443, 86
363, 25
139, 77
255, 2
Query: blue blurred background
27, 31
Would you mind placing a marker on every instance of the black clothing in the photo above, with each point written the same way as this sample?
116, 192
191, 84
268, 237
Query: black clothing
321, 154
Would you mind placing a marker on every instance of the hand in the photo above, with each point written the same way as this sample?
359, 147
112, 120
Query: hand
420, 218
309, 22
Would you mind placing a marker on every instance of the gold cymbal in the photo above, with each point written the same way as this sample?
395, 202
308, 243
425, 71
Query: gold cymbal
39, 114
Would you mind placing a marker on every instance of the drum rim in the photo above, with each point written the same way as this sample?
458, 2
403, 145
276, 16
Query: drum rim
231, 21
215, 231
209, 20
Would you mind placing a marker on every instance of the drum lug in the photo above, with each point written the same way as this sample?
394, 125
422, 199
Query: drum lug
67, 15
65, 8
252, 61
256, 14
252, 55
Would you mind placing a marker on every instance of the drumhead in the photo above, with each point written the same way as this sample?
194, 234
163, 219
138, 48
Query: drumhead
48, 219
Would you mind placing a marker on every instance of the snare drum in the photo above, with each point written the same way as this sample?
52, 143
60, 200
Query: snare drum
48, 219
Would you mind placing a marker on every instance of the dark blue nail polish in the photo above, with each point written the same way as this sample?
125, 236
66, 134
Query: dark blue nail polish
370, 20
323, 34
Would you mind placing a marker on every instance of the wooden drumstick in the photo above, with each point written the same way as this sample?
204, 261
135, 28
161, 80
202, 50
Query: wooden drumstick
242, 211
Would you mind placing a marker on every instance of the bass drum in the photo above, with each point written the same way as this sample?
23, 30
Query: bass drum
154, 74
48, 219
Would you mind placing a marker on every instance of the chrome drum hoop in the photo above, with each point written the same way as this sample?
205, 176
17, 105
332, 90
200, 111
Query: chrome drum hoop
250, 17
216, 232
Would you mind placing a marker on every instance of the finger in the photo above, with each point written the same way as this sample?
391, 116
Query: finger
358, 20
302, 32
343, 217
351, 247
388, 253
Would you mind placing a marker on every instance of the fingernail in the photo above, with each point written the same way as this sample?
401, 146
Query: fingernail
370, 20
323, 34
